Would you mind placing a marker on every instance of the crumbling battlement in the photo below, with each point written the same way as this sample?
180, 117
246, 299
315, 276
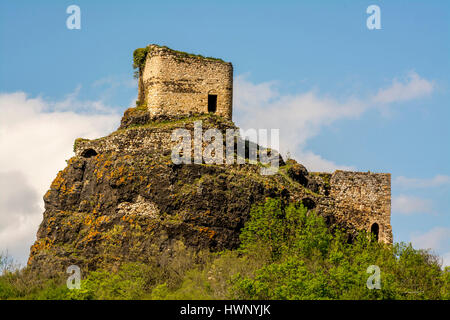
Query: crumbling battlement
174, 83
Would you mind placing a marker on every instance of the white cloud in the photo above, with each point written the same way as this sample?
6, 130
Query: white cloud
414, 183
111, 87
437, 239
114, 82
302, 116
20, 214
412, 88
299, 117
36, 136
72, 104
404, 204
312, 160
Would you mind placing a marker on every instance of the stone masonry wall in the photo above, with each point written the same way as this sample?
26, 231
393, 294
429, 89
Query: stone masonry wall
362, 199
177, 83
151, 139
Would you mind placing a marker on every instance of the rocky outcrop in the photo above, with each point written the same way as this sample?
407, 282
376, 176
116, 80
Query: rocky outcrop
121, 198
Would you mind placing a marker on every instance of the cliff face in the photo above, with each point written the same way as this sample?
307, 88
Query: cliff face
121, 198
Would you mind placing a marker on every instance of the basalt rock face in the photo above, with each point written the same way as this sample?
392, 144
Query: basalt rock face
121, 198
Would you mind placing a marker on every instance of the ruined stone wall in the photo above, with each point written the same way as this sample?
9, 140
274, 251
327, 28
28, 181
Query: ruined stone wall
177, 83
362, 199
152, 139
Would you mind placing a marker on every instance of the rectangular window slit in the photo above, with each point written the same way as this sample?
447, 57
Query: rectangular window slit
212, 103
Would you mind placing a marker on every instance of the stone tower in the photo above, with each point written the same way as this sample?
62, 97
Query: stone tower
362, 201
174, 83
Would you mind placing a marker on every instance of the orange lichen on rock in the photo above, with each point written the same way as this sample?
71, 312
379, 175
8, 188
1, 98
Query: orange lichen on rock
58, 181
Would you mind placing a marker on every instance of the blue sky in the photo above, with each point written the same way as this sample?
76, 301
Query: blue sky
342, 95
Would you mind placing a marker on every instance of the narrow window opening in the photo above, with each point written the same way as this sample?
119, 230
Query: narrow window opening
212, 103
375, 229
88, 153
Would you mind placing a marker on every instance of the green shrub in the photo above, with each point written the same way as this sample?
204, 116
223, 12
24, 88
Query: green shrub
286, 252
139, 57
131, 281
308, 262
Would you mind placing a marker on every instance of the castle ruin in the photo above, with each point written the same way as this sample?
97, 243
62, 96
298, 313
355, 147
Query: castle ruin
362, 201
174, 83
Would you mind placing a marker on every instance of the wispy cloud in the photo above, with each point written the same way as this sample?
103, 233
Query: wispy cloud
114, 82
72, 103
414, 183
302, 116
412, 87
437, 239
407, 205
